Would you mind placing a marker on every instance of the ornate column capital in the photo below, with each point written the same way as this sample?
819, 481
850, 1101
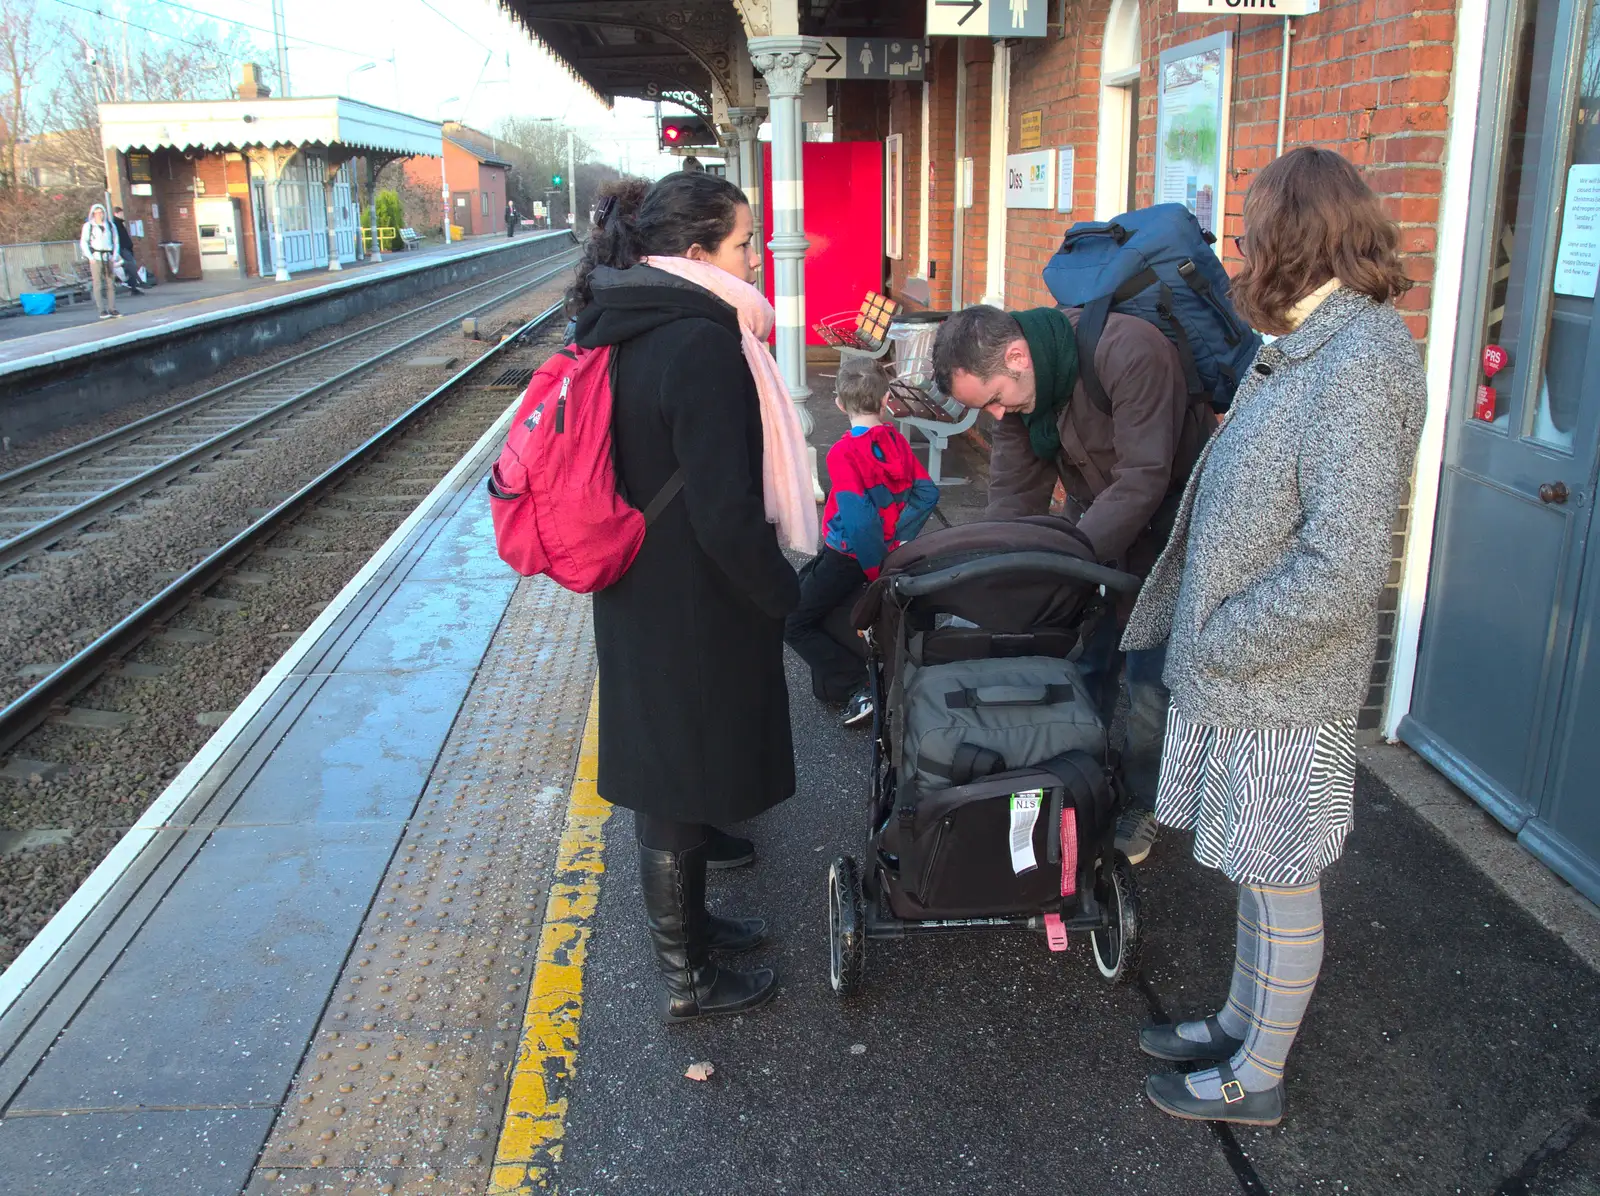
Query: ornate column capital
747, 122
784, 61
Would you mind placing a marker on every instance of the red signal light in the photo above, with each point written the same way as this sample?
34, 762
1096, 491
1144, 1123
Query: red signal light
672, 133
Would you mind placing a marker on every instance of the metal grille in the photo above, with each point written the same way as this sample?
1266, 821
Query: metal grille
511, 378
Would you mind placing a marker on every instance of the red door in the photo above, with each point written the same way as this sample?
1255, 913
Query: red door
844, 223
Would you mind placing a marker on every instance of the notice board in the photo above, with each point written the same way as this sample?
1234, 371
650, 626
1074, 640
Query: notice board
844, 209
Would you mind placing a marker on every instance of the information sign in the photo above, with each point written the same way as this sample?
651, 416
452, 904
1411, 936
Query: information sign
1578, 258
1252, 8
988, 18
1031, 180
1192, 94
901, 58
1066, 160
1032, 130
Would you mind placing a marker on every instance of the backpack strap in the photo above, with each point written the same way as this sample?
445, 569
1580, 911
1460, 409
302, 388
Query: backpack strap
1175, 329
668, 492
1093, 322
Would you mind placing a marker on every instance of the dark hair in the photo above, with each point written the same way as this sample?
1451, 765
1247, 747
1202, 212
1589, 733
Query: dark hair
682, 210
1309, 216
861, 385
974, 339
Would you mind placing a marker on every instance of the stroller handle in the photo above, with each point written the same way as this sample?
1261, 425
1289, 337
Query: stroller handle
1053, 564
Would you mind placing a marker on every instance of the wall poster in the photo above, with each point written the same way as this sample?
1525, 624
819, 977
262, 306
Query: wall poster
1194, 90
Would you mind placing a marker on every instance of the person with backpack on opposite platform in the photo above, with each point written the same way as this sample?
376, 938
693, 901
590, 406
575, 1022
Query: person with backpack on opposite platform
97, 241
1267, 598
1121, 471
693, 700
879, 496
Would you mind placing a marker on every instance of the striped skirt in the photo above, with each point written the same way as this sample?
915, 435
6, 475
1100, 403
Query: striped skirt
1267, 806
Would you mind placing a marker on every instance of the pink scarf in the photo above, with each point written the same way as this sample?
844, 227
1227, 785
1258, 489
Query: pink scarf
786, 467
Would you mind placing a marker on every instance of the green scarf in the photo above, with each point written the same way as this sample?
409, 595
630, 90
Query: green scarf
1054, 348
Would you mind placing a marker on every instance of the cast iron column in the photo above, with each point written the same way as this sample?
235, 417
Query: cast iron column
746, 124
784, 61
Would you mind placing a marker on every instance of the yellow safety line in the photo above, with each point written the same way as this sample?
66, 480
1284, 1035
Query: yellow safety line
536, 1112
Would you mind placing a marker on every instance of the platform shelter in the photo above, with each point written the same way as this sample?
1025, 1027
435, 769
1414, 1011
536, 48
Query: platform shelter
255, 185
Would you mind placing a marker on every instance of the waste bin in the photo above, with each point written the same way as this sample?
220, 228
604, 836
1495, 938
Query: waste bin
173, 249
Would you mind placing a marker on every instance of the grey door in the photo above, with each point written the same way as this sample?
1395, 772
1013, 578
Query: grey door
1504, 702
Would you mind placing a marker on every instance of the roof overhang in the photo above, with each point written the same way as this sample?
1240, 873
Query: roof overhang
241, 124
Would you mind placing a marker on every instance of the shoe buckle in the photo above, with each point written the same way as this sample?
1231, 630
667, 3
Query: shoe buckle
1233, 1092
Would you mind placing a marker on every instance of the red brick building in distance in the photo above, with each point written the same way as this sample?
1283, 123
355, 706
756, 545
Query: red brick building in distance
476, 175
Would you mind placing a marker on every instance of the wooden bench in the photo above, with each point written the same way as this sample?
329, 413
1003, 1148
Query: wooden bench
50, 278
409, 238
865, 330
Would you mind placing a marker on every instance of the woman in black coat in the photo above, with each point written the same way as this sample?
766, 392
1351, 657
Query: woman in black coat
694, 709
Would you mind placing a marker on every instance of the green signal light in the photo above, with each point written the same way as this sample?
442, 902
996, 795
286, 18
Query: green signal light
556, 181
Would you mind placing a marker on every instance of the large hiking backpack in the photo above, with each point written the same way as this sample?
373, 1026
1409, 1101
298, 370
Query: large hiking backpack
1157, 264
553, 492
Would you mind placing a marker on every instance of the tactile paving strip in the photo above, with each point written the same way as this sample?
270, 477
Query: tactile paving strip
405, 1083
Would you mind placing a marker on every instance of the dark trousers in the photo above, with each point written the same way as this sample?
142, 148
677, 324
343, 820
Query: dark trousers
818, 629
1107, 672
668, 834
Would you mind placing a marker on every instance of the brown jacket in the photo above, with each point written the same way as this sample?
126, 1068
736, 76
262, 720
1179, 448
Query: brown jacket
1117, 470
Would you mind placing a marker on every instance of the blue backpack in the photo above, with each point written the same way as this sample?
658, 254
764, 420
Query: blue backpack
1156, 264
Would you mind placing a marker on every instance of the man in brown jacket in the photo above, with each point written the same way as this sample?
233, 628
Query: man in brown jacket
1122, 467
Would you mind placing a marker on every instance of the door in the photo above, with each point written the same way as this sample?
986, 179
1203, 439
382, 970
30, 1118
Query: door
261, 213
1503, 695
345, 223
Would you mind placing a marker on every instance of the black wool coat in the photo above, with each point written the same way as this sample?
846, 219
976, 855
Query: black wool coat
694, 707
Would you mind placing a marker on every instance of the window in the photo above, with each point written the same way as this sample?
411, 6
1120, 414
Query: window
1116, 173
483, 198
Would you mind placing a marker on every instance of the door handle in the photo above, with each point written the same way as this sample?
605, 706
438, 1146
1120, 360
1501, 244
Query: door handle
1554, 492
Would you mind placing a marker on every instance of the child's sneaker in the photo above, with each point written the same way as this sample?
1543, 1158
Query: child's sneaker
858, 709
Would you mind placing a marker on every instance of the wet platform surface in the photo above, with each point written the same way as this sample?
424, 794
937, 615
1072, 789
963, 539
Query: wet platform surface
395, 937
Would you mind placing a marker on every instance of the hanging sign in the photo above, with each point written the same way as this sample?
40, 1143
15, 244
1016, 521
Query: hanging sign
1031, 180
1578, 258
988, 18
1032, 130
900, 58
1252, 8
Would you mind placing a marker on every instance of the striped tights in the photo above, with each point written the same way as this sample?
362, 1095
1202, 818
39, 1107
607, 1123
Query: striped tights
1274, 973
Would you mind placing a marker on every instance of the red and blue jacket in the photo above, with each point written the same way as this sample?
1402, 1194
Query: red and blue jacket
881, 495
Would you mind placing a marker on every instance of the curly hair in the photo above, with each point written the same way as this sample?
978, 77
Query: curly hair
682, 210
1308, 217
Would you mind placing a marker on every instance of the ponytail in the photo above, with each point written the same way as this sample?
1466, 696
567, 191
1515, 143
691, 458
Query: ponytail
634, 220
612, 240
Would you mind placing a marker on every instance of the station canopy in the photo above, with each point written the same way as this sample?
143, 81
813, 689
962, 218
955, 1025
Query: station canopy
267, 122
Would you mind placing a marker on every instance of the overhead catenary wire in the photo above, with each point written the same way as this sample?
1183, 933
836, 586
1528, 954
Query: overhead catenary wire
304, 41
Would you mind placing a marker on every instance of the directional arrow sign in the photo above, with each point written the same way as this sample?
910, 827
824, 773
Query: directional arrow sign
988, 18
830, 60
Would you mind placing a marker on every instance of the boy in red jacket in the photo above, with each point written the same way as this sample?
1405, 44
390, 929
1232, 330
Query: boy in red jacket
880, 497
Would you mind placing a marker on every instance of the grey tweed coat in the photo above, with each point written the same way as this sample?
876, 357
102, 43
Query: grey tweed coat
1267, 593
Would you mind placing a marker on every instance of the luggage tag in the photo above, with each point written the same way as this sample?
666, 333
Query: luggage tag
1024, 815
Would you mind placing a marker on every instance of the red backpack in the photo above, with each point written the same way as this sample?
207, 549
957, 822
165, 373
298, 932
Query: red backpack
553, 493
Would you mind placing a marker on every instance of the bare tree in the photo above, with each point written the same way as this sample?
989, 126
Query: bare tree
27, 43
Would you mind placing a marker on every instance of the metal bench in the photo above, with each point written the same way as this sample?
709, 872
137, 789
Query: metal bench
865, 330
916, 402
409, 238
51, 279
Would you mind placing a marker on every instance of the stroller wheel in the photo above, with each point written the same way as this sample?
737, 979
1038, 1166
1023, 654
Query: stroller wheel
847, 927
1116, 948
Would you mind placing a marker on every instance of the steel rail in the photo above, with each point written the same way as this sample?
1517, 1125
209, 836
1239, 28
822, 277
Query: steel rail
42, 534
23, 715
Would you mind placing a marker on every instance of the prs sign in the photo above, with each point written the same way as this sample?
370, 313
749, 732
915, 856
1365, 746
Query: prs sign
1252, 8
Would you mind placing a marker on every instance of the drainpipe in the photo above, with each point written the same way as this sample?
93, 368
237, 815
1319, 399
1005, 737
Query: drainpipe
1283, 84
958, 241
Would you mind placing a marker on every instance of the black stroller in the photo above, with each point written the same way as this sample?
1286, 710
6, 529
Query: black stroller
993, 801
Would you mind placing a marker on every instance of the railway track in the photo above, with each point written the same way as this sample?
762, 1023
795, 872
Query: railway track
51, 499
49, 695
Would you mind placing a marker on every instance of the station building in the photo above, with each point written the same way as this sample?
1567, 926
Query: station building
476, 175
255, 185
1478, 125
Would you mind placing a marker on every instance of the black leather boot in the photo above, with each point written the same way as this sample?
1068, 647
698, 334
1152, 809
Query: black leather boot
674, 887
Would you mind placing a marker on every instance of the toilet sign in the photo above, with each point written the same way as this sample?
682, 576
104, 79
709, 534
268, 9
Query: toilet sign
988, 18
899, 58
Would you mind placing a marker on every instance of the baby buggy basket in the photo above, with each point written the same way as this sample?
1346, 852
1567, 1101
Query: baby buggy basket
993, 803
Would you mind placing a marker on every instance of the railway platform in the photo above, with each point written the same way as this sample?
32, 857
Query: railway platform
77, 324
383, 935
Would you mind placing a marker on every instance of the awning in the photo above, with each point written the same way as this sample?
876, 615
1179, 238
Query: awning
240, 124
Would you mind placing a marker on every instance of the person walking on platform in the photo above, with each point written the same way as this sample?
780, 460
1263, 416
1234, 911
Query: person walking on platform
1122, 469
694, 705
130, 263
1267, 598
511, 218
98, 242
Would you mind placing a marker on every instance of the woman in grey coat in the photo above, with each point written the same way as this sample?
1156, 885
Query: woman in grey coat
1267, 598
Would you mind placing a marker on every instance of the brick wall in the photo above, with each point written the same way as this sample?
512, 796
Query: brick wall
173, 187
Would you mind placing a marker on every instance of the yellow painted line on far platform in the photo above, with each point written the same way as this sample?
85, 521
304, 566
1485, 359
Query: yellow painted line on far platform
536, 1111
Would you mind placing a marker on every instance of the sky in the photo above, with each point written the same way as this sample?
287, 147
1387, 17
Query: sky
439, 59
